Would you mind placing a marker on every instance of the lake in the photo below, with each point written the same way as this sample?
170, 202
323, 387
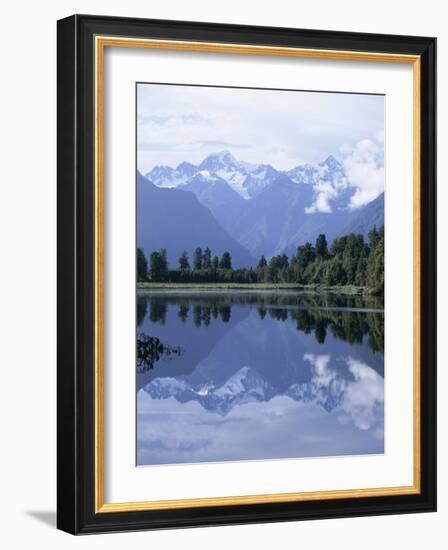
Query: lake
255, 375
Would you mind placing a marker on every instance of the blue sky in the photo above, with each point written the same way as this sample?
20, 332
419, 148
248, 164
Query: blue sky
282, 128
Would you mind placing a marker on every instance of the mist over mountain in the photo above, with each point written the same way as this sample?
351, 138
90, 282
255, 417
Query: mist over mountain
177, 221
268, 211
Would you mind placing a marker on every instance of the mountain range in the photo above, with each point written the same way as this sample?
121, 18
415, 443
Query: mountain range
253, 209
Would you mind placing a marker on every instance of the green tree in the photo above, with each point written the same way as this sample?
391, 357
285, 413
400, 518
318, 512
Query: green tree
158, 265
262, 263
334, 273
215, 262
197, 259
321, 247
375, 265
361, 272
225, 261
142, 265
163, 254
276, 268
306, 254
207, 259
374, 236
183, 261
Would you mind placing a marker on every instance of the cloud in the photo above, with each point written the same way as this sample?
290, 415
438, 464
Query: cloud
283, 128
222, 144
364, 397
324, 192
364, 169
323, 375
165, 118
361, 397
172, 432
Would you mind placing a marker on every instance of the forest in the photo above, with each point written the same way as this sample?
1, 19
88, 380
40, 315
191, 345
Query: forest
348, 260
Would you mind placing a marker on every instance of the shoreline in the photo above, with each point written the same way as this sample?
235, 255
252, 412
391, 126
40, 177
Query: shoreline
348, 290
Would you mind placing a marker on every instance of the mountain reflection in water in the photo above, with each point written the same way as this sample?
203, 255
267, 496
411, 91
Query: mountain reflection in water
238, 375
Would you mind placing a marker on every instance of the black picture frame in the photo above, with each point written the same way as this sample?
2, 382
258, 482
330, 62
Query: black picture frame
76, 286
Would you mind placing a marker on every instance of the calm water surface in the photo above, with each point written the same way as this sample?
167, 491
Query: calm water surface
250, 375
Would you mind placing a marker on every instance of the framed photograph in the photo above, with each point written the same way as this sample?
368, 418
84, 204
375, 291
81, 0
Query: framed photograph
246, 274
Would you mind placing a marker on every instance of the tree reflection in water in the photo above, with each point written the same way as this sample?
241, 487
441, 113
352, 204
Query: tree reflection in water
234, 375
348, 318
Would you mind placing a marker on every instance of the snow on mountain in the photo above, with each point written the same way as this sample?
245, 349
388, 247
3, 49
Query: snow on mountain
186, 169
225, 166
270, 211
244, 178
259, 178
248, 386
328, 170
205, 177
249, 180
216, 194
167, 177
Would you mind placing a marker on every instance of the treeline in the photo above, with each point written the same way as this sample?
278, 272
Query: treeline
350, 260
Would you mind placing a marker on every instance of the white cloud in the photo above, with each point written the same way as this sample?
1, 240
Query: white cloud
345, 149
364, 169
324, 192
364, 397
323, 375
283, 128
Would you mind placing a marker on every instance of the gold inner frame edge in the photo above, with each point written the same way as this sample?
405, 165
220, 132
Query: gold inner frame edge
101, 42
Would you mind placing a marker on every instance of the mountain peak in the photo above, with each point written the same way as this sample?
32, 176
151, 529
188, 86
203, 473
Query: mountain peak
222, 158
332, 162
225, 154
186, 168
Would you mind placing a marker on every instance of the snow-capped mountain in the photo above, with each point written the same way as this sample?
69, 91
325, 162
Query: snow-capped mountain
237, 174
186, 169
328, 170
259, 178
214, 193
249, 180
206, 178
244, 178
165, 176
269, 211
